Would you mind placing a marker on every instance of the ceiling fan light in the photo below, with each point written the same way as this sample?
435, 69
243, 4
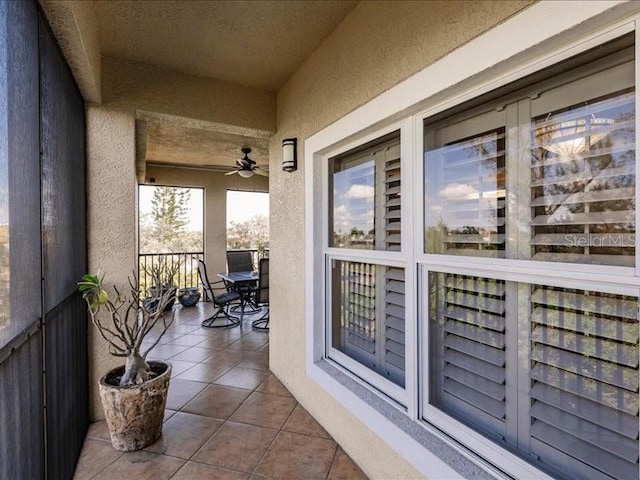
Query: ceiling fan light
245, 173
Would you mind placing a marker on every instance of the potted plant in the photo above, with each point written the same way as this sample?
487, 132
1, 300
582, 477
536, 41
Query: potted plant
133, 395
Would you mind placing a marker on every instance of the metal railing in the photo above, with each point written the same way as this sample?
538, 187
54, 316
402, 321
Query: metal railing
187, 275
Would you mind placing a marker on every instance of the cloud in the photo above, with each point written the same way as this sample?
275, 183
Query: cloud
361, 192
459, 191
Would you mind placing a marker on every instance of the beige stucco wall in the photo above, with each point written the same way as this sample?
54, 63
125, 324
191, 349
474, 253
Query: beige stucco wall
377, 45
111, 220
138, 87
215, 204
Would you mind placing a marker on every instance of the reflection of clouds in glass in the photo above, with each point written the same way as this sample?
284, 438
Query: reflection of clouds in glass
344, 219
459, 191
436, 208
360, 192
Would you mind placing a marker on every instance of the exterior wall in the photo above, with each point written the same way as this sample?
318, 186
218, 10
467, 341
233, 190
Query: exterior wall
215, 207
111, 220
378, 45
138, 87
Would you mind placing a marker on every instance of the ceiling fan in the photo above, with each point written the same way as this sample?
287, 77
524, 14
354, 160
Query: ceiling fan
245, 167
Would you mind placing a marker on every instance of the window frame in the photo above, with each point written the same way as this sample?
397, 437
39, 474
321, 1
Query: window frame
400, 258
476, 72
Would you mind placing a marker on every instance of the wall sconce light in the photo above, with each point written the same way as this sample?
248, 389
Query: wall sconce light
289, 154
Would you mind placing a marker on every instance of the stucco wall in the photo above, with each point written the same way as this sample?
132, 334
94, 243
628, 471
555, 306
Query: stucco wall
111, 220
377, 45
215, 208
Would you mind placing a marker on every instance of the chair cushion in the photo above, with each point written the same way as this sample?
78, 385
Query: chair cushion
226, 297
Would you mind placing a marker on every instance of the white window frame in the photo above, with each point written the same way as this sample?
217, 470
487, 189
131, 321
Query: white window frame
541, 35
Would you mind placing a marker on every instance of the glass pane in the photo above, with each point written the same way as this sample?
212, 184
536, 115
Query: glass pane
4, 240
465, 196
552, 372
367, 321
467, 320
365, 206
583, 183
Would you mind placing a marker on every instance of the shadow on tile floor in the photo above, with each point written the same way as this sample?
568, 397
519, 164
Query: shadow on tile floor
228, 417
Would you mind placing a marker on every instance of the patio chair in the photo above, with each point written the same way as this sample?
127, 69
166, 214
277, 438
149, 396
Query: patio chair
223, 300
262, 295
239, 261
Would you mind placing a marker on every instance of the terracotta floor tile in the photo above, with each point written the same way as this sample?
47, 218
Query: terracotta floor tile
181, 392
204, 372
343, 468
272, 385
182, 328
142, 465
187, 340
265, 410
193, 354
258, 360
217, 401
183, 434
301, 422
99, 431
216, 343
200, 471
178, 366
168, 414
168, 337
237, 446
242, 378
94, 458
165, 352
295, 456
225, 357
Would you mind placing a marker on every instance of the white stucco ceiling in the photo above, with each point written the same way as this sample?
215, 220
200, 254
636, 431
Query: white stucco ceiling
256, 43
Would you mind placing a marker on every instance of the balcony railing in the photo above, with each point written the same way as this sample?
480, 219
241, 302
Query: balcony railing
187, 275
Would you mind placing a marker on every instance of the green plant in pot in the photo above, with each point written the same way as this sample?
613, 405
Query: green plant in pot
134, 395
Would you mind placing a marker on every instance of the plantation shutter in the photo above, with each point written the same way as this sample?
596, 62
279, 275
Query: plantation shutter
470, 337
359, 315
583, 183
584, 377
392, 218
394, 325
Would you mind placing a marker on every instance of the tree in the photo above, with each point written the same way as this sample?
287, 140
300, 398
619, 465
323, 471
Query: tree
253, 233
170, 214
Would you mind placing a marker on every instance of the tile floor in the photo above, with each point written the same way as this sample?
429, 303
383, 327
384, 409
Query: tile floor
228, 417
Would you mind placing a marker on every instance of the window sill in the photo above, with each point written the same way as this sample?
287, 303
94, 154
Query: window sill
429, 450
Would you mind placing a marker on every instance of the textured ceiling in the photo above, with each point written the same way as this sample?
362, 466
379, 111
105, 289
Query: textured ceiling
178, 145
258, 44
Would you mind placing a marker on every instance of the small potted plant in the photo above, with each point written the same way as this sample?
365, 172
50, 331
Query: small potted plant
133, 395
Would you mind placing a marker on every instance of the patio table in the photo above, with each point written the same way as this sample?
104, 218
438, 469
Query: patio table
244, 283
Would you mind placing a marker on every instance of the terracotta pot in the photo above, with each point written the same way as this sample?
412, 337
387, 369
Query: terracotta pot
134, 414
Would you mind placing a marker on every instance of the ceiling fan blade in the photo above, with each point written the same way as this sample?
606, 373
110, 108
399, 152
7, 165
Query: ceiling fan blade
231, 172
259, 171
242, 163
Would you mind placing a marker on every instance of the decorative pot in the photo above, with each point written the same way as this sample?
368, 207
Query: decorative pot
134, 414
188, 297
156, 292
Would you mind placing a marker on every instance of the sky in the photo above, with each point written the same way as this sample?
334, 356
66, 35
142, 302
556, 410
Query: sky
241, 206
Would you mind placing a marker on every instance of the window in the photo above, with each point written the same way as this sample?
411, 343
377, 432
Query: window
548, 369
505, 318
367, 327
365, 203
